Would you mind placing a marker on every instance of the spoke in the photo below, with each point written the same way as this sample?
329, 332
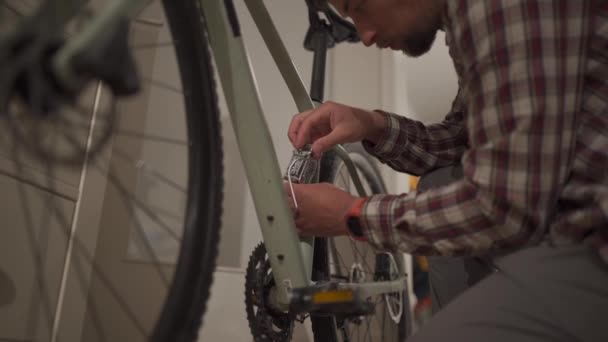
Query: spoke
125, 193
101, 141
77, 247
144, 166
105, 280
368, 330
166, 213
31, 229
147, 137
353, 250
151, 137
382, 330
81, 150
162, 85
94, 314
139, 205
114, 292
133, 134
36, 125
344, 181
29, 117
350, 327
367, 249
395, 299
152, 45
377, 319
357, 252
67, 232
43, 235
335, 251
32, 321
102, 277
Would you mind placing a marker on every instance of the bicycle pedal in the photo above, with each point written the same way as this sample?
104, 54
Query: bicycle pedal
330, 299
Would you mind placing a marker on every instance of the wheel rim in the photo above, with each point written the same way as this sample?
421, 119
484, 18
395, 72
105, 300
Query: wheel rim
347, 255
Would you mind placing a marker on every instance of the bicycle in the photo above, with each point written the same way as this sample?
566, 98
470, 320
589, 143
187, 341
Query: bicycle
288, 277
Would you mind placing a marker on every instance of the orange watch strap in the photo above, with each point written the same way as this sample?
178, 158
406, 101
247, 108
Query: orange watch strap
355, 213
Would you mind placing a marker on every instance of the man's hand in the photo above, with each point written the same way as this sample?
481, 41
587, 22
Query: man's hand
333, 123
321, 209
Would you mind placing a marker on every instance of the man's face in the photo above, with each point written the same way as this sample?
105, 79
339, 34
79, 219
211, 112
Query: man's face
406, 25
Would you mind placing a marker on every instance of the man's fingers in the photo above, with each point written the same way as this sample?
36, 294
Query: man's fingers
294, 126
313, 121
337, 136
292, 133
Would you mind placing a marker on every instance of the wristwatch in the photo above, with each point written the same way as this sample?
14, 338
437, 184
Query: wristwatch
353, 220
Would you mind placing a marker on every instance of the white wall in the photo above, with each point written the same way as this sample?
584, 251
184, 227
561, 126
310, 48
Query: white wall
424, 87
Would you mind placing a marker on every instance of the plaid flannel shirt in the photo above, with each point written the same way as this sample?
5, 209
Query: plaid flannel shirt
529, 125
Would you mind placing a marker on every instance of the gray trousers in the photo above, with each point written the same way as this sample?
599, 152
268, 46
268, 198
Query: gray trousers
451, 276
539, 294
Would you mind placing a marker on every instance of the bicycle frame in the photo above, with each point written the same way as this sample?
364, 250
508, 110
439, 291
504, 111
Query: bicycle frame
290, 257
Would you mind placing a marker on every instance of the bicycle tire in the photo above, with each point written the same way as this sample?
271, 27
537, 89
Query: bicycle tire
185, 295
325, 328
182, 314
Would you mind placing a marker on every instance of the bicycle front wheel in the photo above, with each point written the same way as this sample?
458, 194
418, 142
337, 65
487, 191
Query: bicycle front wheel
345, 260
111, 205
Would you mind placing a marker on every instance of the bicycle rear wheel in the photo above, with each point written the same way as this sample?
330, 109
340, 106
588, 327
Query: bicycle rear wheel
112, 206
346, 260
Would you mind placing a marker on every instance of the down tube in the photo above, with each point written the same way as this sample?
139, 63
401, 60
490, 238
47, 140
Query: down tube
255, 145
299, 93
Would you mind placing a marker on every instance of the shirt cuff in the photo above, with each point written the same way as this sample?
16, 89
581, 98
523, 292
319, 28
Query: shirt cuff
384, 147
377, 222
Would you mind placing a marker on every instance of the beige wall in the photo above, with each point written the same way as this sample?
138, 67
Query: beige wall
425, 86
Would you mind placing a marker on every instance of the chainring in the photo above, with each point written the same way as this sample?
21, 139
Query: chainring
266, 323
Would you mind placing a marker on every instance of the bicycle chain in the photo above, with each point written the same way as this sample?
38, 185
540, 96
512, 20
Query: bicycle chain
266, 323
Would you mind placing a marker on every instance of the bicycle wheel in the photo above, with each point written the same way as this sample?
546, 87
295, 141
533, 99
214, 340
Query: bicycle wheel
346, 260
111, 205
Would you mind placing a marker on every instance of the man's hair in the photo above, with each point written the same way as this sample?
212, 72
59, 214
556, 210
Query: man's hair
318, 4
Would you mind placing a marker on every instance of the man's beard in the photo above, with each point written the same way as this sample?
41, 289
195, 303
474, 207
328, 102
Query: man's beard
418, 44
